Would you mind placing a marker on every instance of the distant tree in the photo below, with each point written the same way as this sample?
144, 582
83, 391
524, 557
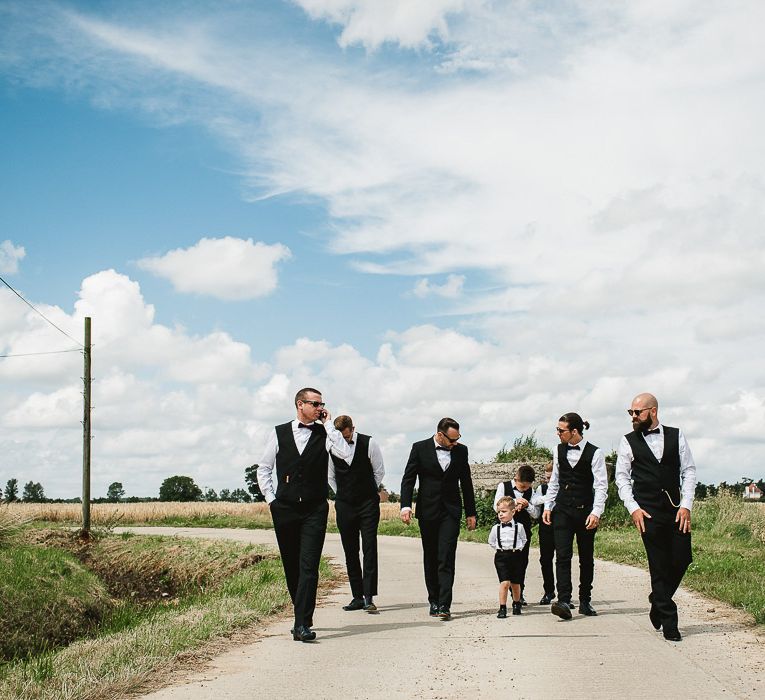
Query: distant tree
702, 491
240, 496
251, 479
611, 464
11, 490
525, 449
393, 497
225, 495
331, 495
179, 488
33, 493
210, 495
115, 493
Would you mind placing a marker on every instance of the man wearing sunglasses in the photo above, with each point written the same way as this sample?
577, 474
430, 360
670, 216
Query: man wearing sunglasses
297, 451
440, 463
656, 477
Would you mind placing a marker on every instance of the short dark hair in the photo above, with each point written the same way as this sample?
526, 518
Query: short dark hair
525, 473
300, 396
343, 422
445, 423
575, 422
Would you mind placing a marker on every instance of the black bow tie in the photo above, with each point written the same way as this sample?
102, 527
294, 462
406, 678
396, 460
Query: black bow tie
655, 431
440, 447
350, 442
310, 427
510, 524
573, 447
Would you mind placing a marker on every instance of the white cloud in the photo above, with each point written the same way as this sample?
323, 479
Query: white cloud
451, 289
225, 268
10, 256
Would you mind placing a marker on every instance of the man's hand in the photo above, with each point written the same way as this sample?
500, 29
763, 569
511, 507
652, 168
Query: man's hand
406, 516
684, 518
547, 517
592, 522
470, 520
521, 503
325, 416
638, 518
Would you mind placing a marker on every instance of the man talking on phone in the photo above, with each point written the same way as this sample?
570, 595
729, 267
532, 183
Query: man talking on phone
297, 451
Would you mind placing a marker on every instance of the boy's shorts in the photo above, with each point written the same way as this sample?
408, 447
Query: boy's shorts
509, 565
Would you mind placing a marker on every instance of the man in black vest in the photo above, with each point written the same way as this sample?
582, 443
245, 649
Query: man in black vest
298, 450
656, 477
441, 465
579, 469
356, 483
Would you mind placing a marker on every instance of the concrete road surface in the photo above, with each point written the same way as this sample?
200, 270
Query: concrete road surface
402, 652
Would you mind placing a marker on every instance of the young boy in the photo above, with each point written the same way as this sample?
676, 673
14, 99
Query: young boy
508, 538
519, 489
546, 540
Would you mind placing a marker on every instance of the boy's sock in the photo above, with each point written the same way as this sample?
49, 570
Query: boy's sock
517, 606
502, 611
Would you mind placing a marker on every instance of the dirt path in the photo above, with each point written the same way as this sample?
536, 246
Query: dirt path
403, 652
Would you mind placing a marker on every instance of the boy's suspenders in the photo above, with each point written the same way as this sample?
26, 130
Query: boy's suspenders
499, 536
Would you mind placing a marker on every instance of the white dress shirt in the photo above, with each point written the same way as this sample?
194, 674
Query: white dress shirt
335, 443
599, 476
508, 534
532, 507
538, 498
374, 454
655, 442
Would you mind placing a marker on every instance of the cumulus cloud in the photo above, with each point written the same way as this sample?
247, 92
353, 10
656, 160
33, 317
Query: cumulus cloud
451, 289
225, 268
10, 255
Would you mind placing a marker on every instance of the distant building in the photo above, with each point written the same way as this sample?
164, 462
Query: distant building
752, 492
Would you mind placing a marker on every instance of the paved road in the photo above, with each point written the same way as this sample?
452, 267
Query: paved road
402, 652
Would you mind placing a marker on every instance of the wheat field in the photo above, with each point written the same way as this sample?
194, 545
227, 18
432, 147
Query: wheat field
104, 514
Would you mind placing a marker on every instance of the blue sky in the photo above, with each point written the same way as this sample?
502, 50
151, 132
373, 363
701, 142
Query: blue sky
498, 211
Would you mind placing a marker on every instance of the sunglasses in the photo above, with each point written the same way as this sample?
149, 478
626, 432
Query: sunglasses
638, 411
451, 440
315, 404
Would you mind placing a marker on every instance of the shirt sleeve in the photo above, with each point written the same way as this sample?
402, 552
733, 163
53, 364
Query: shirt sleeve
533, 508
687, 474
600, 483
554, 485
336, 443
266, 467
521, 543
493, 537
623, 475
375, 456
500, 493
331, 474
537, 498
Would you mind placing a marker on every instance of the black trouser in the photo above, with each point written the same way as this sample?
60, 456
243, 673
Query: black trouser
567, 524
439, 550
525, 552
546, 554
354, 520
669, 555
300, 530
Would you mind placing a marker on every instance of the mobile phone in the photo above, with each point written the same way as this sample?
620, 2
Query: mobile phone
323, 414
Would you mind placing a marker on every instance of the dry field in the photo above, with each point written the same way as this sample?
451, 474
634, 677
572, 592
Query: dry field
118, 513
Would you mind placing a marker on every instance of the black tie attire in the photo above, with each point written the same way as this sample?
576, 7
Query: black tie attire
523, 518
546, 551
438, 511
656, 488
357, 507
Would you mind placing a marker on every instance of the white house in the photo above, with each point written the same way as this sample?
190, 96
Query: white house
752, 493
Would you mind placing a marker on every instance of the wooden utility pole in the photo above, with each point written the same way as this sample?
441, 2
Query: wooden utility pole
86, 435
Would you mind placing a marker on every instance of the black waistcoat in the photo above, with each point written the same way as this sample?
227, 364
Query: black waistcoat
356, 483
656, 482
575, 483
301, 477
521, 516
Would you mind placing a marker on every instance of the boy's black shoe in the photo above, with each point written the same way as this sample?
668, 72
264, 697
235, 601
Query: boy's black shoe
444, 613
517, 607
561, 609
523, 600
672, 634
502, 614
586, 609
355, 604
546, 599
434, 609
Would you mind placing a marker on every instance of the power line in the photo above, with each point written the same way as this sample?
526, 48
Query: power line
37, 311
48, 352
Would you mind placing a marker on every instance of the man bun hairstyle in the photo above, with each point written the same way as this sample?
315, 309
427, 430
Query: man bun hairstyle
446, 423
575, 422
343, 422
525, 473
301, 395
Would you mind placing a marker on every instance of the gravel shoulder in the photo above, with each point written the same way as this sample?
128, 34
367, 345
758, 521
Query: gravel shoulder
403, 652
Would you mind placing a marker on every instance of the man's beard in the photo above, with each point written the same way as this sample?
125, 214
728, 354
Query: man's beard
642, 425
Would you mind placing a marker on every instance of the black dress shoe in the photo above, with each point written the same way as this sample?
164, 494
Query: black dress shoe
502, 614
672, 634
546, 599
653, 615
444, 613
586, 609
561, 609
369, 605
355, 604
303, 634
434, 609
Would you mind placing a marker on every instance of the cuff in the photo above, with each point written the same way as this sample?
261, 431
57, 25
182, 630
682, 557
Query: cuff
270, 498
686, 503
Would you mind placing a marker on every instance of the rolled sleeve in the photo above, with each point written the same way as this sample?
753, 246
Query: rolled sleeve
687, 474
266, 467
600, 483
623, 475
